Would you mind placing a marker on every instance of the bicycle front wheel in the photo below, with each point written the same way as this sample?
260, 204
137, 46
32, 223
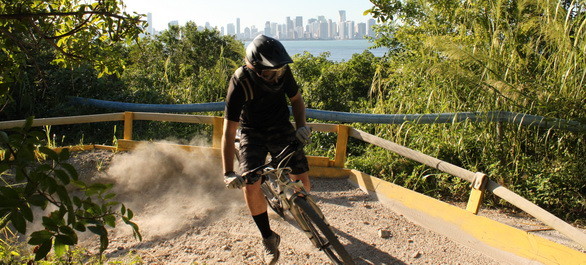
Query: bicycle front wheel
326, 240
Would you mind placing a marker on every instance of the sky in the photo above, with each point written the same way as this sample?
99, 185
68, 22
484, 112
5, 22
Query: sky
251, 12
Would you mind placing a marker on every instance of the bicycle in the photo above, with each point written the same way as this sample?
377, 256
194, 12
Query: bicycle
282, 194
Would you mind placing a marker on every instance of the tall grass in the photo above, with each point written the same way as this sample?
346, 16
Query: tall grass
522, 56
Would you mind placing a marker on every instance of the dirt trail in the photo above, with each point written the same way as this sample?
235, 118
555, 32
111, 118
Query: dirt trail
187, 217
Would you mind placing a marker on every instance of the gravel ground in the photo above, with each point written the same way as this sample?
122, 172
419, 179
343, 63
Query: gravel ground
187, 217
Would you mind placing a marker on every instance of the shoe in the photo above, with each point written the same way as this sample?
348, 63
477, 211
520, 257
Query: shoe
271, 245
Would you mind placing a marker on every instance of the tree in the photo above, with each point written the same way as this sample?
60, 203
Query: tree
34, 176
184, 64
69, 34
335, 86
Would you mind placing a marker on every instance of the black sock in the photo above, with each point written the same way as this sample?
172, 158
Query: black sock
262, 221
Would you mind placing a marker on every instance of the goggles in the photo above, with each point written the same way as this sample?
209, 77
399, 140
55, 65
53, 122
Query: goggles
273, 75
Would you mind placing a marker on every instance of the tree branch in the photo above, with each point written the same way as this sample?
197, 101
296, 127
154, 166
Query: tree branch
71, 32
61, 14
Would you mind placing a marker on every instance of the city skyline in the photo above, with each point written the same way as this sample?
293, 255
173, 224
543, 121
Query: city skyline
313, 28
251, 12
296, 28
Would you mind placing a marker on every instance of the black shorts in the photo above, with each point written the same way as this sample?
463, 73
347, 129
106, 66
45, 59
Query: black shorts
256, 144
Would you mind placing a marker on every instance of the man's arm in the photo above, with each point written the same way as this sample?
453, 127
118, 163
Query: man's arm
298, 106
228, 147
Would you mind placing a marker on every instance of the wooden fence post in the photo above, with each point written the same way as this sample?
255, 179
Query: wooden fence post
341, 146
218, 131
477, 193
128, 120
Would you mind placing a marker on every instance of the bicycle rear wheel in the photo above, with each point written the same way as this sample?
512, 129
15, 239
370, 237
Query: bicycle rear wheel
326, 240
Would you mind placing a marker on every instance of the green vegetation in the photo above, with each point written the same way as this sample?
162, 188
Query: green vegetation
444, 56
36, 37
453, 56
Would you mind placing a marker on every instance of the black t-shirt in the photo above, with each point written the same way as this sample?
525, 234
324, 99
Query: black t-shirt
258, 109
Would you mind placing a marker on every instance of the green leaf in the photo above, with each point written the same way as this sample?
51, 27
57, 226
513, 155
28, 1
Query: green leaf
104, 242
43, 250
66, 239
98, 230
123, 210
38, 200
10, 193
38, 237
135, 229
43, 168
110, 220
50, 224
71, 170
6, 202
130, 214
63, 195
80, 184
4, 137
64, 155
51, 185
79, 226
52, 155
59, 248
26, 211
109, 196
18, 222
77, 201
66, 230
29, 123
62, 176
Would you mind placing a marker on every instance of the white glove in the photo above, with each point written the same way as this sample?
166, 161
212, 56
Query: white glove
303, 134
233, 180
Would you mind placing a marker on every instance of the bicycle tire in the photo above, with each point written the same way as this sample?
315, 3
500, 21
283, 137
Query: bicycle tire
272, 198
328, 241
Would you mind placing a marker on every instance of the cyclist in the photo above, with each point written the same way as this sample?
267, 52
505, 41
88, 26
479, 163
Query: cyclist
257, 102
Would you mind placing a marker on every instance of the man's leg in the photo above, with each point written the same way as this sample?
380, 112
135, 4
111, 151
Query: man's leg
258, 209
255, 198
257, 206
304, 177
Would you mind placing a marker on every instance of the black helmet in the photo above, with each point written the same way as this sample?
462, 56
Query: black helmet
266, 53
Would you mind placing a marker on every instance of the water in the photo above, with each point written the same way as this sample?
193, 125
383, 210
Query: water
340, 50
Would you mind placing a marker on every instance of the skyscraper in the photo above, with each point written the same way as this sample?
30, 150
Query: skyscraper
230, 29
361, 30
149, 29
343, 28
290, 29
237, 27
342, 31
299, 27
369, 30
298, 22
351, 29
267, 30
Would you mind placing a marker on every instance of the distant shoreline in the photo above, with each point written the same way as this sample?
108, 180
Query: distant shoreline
339, 50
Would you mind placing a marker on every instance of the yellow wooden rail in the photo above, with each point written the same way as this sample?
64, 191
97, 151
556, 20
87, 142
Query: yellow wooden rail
478, 180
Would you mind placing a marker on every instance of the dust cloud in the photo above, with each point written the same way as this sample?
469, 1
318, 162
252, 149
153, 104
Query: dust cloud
170, 189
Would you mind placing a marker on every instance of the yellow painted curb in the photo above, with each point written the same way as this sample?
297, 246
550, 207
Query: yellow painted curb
497, 240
